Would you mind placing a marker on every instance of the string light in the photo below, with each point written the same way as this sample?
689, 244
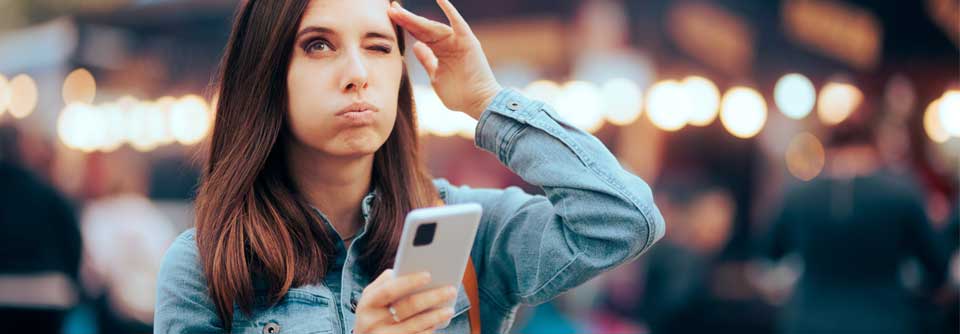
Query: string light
743, 112
704, 99
795, 95
80, 87
837, 102
24, 95
667, 106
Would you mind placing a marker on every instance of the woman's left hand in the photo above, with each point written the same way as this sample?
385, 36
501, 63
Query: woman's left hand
453, 58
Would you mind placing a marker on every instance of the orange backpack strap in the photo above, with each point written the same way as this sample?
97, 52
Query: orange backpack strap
473, 293
472, 289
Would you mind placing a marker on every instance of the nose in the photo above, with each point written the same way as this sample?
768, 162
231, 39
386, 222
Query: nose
355, 74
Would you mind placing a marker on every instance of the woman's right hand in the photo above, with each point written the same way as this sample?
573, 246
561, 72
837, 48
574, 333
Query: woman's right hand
415, 313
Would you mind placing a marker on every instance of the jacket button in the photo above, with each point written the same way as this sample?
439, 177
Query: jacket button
513, 105
271, 328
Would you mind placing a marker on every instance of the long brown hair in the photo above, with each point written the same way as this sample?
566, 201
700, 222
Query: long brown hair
251, 222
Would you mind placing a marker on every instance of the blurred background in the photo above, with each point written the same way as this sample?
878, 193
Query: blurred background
805, 154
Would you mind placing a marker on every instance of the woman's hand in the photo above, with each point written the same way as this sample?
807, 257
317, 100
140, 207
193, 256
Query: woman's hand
416, 313
453, 58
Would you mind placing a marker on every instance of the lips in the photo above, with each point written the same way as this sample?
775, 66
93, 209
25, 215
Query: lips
357, 107
358, 114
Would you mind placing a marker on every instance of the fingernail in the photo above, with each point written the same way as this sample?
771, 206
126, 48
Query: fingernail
451, 291
449, 311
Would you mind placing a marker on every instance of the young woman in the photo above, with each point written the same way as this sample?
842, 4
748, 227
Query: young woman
314, 163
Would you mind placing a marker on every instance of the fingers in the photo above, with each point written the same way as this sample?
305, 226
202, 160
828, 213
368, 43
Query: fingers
384, 276
421, 28
389, 291
425, 321
415, 304
457, 22
426, 57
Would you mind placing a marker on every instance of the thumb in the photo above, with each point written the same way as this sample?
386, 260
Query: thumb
427, 58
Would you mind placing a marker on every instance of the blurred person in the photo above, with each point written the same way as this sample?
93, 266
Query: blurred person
688, 286
314, 163
125, 236
40, 254
550, 317
951, 323
603, 52
852, 228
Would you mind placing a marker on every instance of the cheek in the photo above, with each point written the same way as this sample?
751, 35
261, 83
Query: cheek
305, 83
385, 78
385, 84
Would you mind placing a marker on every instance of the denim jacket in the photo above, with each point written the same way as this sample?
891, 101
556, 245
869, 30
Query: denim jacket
528, 248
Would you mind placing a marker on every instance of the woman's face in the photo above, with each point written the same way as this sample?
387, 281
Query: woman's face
344, 77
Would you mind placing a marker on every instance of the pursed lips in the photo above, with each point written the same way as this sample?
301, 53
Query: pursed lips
357, 107
358, 114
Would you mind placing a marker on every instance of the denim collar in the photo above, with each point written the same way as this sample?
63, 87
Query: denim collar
366, 206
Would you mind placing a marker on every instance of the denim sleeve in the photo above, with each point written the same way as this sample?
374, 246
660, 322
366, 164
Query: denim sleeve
183, 305
595, 214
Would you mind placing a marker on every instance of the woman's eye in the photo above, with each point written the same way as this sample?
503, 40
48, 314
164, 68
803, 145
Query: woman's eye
381, 48
316, 46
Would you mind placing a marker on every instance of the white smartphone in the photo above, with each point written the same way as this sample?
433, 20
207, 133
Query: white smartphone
438, 240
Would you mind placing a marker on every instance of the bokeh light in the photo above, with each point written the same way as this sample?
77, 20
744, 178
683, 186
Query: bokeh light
667, 105
932, 123
431, 113
79, 86
66, 128
4, 94
163, 106
743, 112
114, 121
145, 125
805, 156
23, 96
158, 124
466, 124
949, 112
141, 135
543, 90
704, 99
838, 101
795, 95
189, 119
434, 118
579, 104
623, 101
80, 127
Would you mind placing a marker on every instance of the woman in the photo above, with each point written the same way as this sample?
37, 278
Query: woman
314, 163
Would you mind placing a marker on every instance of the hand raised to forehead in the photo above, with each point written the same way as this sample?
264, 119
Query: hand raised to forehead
453, 58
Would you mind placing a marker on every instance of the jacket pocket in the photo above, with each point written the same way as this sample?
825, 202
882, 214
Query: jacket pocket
300, 311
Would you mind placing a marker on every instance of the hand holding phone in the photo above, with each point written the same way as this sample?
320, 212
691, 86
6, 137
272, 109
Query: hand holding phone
438, 241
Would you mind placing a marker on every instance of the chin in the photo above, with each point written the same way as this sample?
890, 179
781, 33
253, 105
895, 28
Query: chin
356, 146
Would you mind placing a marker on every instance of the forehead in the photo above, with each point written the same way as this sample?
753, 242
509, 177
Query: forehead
347, 16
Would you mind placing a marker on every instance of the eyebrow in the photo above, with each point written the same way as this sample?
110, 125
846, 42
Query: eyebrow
325, 30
